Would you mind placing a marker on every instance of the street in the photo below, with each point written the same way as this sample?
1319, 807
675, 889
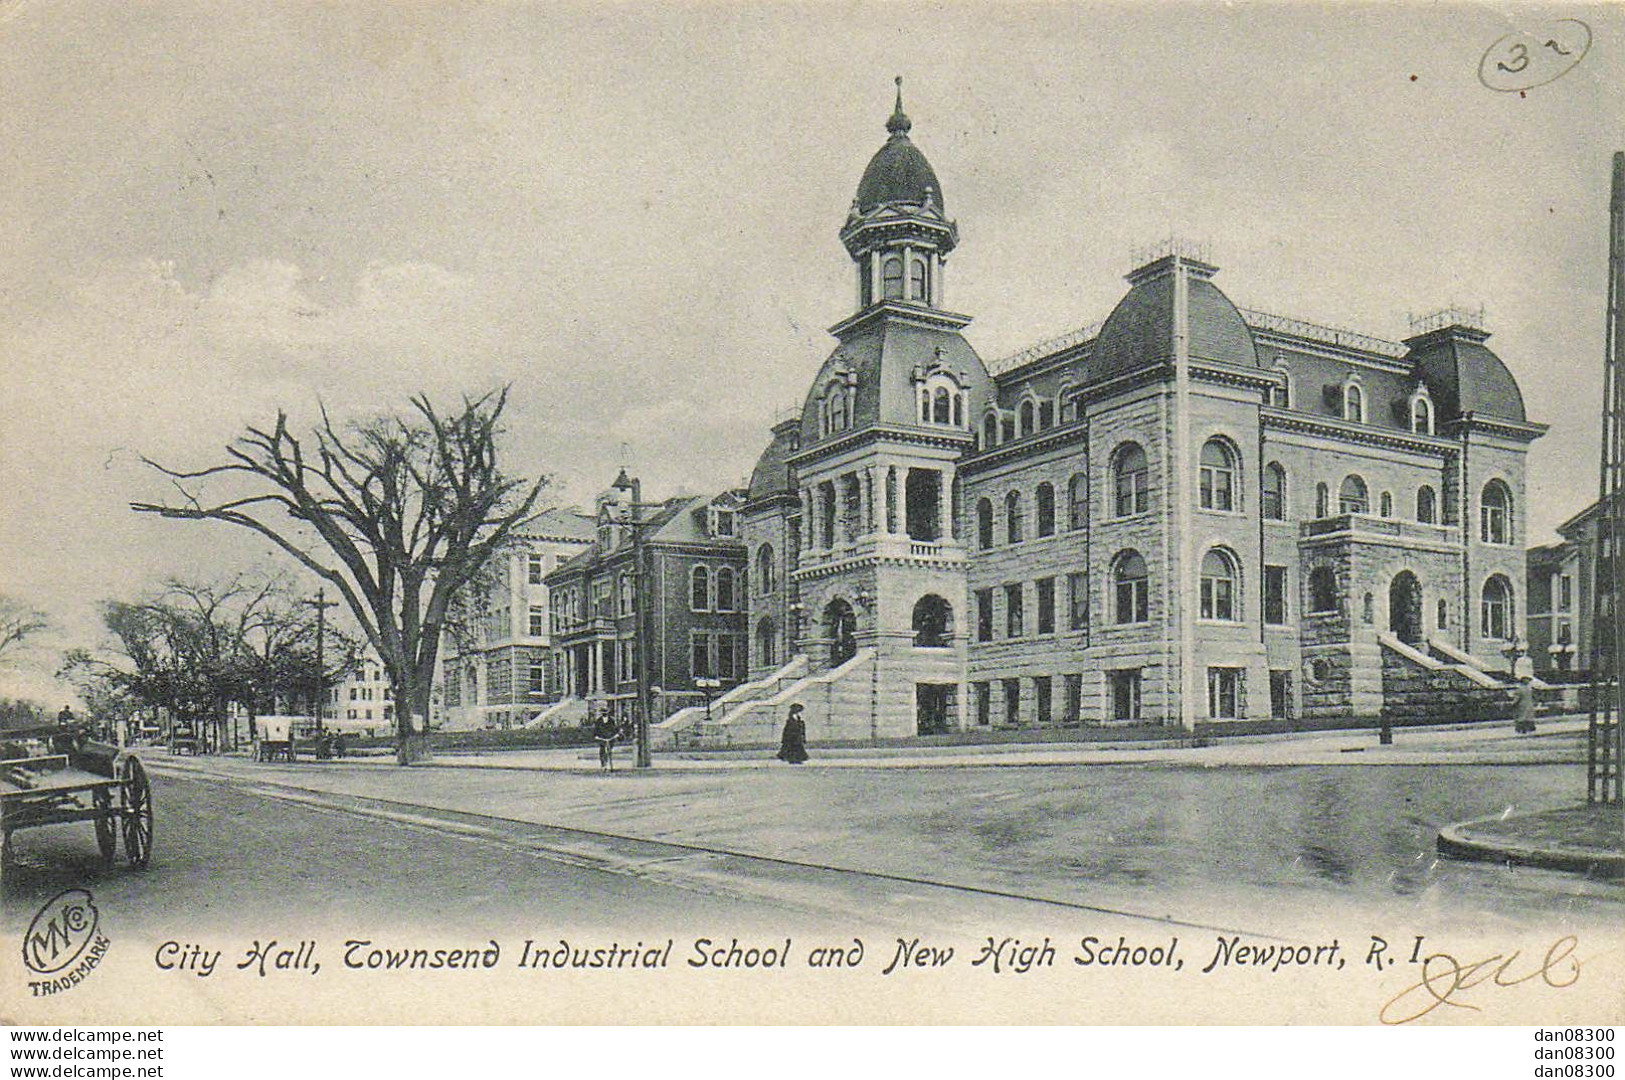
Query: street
1286, 845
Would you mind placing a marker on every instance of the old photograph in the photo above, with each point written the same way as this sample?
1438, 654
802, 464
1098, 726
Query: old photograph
694, 513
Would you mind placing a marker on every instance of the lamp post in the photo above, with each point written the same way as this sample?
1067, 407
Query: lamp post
321, 603
707, 686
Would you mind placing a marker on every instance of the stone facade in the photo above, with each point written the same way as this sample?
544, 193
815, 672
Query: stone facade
1189, 514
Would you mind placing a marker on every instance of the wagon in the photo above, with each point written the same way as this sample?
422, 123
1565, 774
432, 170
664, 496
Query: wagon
285, 736
58, 774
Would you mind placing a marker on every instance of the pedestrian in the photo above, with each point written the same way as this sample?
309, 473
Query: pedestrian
66, 718
793, 744
605, 731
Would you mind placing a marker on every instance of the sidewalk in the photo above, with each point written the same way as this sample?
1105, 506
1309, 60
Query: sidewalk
1557, 741
1586, 839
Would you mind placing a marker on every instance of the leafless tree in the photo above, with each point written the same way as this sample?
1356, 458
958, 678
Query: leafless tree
397, 513
18, 623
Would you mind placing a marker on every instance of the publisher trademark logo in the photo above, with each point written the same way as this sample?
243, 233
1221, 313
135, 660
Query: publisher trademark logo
65, 937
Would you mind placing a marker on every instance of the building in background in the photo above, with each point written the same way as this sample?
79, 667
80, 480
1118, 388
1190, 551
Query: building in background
1561, 577
667, 579
1188, 514
495, 674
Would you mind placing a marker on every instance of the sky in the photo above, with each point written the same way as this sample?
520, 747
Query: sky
628, 212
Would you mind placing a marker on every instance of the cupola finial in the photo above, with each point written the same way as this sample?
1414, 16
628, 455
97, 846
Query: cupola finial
899, 122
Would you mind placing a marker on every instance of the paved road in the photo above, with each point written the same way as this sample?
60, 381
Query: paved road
1287, 845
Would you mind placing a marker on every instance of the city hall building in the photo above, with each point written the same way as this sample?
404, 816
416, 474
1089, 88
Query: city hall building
1190, 514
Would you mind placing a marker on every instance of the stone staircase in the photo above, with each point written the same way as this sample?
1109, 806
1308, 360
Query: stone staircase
838, 704
1439, 686
674, 729
567, 712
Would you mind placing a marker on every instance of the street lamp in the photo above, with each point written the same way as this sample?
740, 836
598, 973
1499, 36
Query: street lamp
707, 687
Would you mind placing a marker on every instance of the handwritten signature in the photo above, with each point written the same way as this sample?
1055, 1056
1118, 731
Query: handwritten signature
1445, 980
1525, 59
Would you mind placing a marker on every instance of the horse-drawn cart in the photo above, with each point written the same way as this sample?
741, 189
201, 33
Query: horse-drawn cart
286, 736
55, 775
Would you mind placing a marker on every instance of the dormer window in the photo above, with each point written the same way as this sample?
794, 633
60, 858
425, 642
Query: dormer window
1421, 412
942, 398
1281, 393
722, 522
835, 410
1353, 401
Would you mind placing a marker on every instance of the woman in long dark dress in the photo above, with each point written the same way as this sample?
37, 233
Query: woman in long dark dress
793, 744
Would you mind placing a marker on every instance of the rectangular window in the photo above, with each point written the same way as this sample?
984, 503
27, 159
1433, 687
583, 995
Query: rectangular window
1072, 710
1012, 702
1275, 595
538, 678
1281, 695
1077, 601
1218, 598
534, 569
1046, 605
725, 656
1013, 615
1125, 694
1043, 703
699, 661
1224, 693
984, 614
538, 621
984, 704
1565, 593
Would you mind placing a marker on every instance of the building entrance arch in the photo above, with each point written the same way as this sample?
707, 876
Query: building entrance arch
841, 631
1405, 608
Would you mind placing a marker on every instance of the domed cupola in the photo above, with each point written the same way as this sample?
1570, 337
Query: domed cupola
898, 230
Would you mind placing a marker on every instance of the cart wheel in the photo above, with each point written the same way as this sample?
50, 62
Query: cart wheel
136, 795
106, 830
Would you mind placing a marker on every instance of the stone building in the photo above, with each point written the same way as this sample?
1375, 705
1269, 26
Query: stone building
1561, 579
495, 674
667, 580
1189, 514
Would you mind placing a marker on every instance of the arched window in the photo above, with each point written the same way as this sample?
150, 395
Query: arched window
990, 431
1219, 585
765, 569
764, 643
984, 523
959, 410
725, 589
837, 408
1274, 491
1427, 505
1495, 611
1322, 590
1323, 500
1012, 518
1495, 514
1046, 509
1218, 482
942, 411
700, 600
1386, 503
1131, 588
1421, 415
1129, 480
933, 622
1352, 497
1077, 491
891, 278
1028, 423
917, 280
1353, 402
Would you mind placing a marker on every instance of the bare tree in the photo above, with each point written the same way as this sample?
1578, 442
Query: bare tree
18, 623
397, 514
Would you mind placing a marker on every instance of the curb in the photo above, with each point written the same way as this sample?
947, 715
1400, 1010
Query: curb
1454, 843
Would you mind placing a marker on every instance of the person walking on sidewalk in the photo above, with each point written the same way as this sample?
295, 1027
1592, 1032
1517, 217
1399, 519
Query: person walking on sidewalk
604, 732
793, 744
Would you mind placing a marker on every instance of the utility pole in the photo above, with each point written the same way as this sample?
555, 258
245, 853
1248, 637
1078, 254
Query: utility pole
321, 603
1604, 747
643, 582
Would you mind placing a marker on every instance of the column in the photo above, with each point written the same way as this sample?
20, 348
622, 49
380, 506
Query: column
945, 499
868, 480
